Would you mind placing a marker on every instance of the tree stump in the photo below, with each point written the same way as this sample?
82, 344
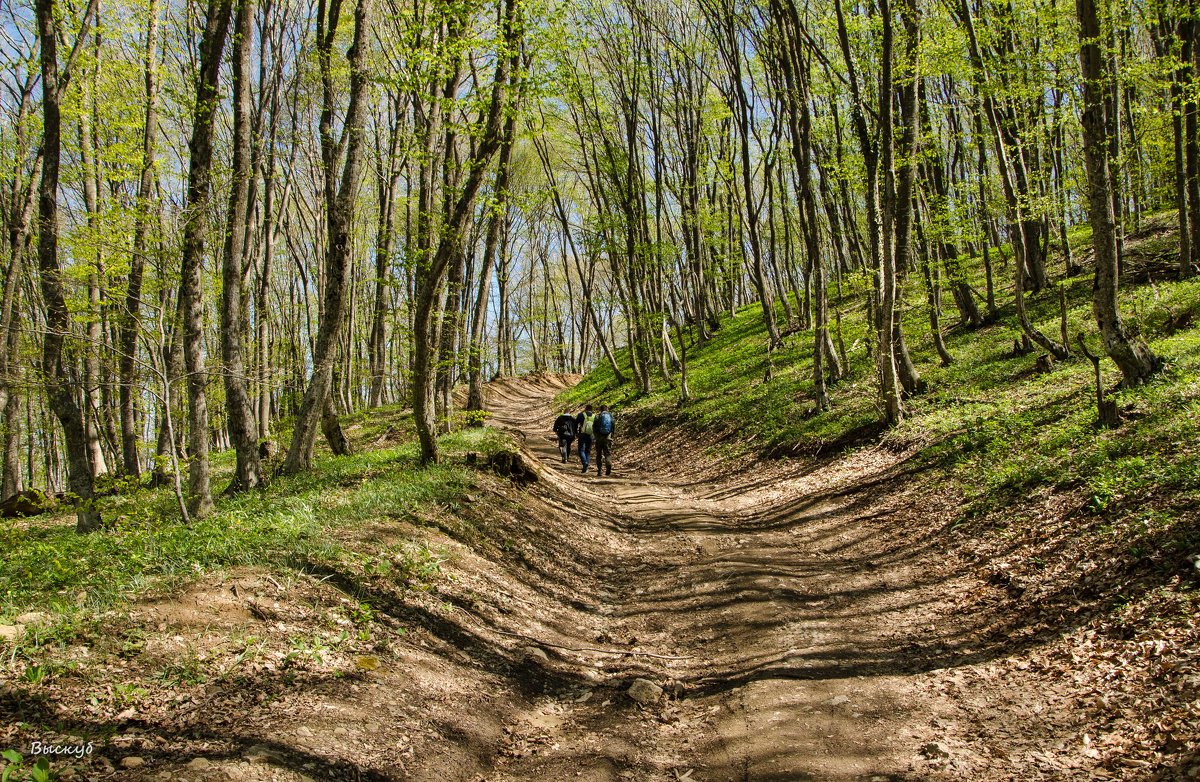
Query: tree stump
1106, 409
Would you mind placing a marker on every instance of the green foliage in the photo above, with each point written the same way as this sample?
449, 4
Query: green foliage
187, 669
362, 614
475, 418
725, 376
35, 674
127, 693
14, 769
993, 427
418, 566
409, 564
313, 647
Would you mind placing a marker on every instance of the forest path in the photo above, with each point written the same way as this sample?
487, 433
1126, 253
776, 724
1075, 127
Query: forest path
801, 615
788, 608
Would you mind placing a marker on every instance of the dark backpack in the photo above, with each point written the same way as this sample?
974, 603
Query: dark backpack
604, 423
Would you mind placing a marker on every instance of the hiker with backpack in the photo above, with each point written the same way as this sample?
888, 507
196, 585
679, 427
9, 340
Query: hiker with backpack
564, 427
583, 425
602, 432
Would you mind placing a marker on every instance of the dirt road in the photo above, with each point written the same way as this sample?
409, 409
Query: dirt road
799, 616
790, 611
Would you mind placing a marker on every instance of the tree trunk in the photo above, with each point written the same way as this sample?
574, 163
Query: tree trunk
897, 205
195, 230
430, 277
1135, 359
1191, 124
879, 240
59, 388
1014, 180
795, 71
19, 218
239, 410
487, 266
932, 292
130, 320
12, 446
1182, 198
91, 399
389, 180
340, 212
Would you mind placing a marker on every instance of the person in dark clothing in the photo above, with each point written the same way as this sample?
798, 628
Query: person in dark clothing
602, 431
583, 426
564, 427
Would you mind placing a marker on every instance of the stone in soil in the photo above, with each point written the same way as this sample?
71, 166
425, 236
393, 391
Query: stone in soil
33, 618
935, 751
645, 691
534, 655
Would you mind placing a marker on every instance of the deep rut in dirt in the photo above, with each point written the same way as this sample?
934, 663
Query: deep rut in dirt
785, 608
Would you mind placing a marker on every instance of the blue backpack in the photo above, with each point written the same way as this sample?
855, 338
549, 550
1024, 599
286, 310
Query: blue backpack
604, 423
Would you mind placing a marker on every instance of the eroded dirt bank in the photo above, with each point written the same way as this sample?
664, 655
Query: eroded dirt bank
803, 618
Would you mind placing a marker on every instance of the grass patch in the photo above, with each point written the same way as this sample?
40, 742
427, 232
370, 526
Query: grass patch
47, 566
989, 424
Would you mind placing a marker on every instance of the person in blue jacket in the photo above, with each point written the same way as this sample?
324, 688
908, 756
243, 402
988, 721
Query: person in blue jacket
602, 433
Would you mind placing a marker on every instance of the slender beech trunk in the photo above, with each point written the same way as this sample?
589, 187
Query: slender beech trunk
169, 443
905, 178
12, 441
239, 409
1191, 131
91, 397
195, 233
1135, 359
130, 320
271, 225
741, 111
59, 388
487, 265
389, 181
261, 292
430, 277
893, 206
20, 211
1010, 165
1178, 81
879, 240
315, 411
795, 70
933, 296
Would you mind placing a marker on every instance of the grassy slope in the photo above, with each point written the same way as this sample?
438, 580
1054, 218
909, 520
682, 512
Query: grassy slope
988, 420
294, 589
49, 567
